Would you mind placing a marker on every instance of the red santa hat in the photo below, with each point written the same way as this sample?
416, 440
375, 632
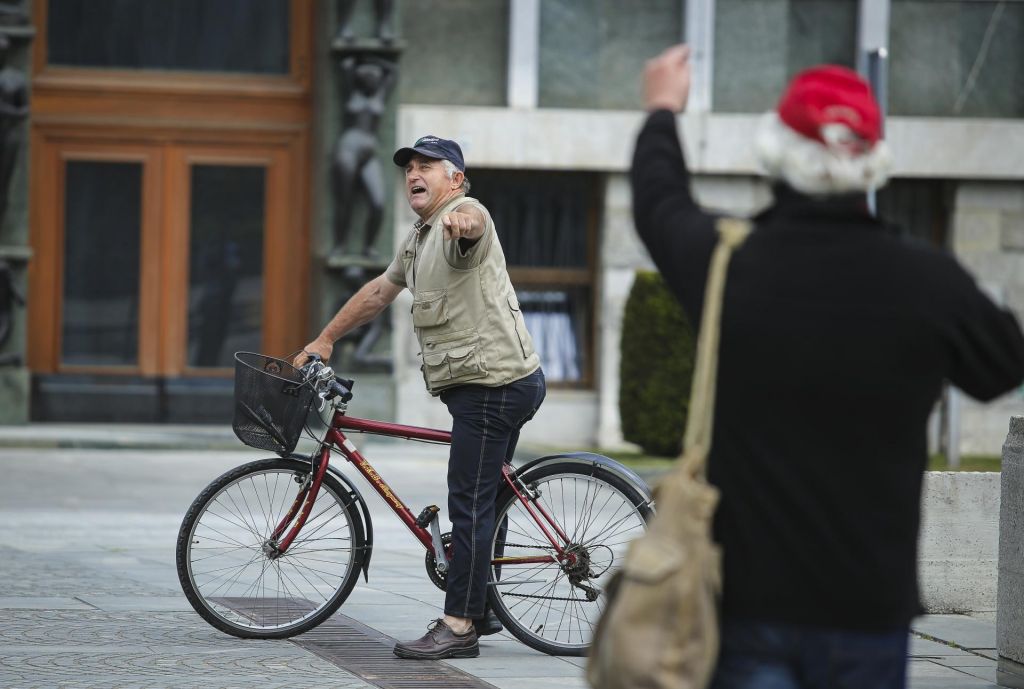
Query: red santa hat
826, 134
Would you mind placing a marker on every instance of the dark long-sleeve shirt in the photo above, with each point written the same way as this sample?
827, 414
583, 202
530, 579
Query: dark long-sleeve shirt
836, 338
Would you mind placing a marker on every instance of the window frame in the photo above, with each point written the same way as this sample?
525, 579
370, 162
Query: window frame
527, 278
297, 81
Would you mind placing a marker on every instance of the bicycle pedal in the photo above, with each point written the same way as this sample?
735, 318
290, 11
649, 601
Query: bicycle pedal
427, 516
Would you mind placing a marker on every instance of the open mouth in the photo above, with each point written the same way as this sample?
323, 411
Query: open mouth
417, 189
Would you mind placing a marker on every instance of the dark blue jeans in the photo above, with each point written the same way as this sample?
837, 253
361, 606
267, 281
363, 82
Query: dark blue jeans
759, 655
485, 430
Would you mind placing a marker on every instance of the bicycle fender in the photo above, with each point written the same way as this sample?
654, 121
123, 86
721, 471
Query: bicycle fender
595, 460
364, 512
367, 523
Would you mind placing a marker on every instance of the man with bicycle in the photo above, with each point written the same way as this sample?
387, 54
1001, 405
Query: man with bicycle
478, 357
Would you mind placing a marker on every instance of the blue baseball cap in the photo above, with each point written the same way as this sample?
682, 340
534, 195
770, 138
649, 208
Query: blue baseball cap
432, 147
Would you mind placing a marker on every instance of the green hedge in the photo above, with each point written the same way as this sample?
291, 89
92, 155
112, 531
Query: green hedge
656, 369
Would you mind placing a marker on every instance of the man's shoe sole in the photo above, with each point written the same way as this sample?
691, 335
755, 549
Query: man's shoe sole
471, 652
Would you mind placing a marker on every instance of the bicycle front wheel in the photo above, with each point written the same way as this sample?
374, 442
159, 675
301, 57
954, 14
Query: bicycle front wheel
548, 602
237, 583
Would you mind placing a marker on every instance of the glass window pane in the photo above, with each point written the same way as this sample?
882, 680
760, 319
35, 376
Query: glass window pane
592, 53
957, 59
544, 221
559, 325
103, 211
541, 218
195, 35
761, 44
461, 52
225, 263
918, 207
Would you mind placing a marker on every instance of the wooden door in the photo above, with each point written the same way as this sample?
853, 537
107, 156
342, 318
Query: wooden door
164, 259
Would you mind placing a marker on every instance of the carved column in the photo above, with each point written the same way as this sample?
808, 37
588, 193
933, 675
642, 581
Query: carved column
354, 185
16, 34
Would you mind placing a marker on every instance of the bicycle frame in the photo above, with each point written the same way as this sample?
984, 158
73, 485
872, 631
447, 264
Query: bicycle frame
336, 438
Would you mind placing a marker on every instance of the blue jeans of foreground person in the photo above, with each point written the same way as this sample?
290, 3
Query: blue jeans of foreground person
759, 655
485, 431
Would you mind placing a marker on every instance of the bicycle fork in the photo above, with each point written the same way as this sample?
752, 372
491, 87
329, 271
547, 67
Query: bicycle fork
275, 546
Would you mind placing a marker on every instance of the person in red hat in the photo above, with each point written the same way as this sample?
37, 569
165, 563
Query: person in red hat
837, 336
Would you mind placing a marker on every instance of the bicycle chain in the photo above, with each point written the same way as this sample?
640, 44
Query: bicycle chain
535, 547
527, 595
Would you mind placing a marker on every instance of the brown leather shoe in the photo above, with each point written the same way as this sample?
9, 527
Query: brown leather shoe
488, 624
440, 642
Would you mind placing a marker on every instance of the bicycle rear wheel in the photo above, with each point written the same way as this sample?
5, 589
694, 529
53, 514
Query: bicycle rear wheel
554, 606
232, 579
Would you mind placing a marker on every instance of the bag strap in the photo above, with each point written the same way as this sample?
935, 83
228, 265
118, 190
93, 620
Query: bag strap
697, 440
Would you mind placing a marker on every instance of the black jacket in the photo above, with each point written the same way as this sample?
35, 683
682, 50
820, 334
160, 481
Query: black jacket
836, 338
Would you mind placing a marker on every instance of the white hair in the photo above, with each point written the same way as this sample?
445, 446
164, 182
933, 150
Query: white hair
812, 167
449, 167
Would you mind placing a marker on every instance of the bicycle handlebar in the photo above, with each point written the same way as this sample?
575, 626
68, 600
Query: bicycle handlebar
325, 382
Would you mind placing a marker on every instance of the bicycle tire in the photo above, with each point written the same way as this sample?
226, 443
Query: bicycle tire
612, 511
226, 528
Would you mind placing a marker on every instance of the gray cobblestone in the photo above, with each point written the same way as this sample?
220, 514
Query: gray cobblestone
100, 649
89, 597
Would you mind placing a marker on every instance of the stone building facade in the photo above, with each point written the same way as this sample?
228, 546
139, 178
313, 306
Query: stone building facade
543, 96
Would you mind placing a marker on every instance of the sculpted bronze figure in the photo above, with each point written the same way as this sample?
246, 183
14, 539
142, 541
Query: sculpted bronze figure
355, 164
382, 10
13, 110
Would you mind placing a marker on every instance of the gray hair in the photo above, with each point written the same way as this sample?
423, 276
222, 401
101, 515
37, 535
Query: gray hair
449, 167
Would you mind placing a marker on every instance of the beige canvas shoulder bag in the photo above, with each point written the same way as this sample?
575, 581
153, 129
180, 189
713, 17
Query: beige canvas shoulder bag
659, 629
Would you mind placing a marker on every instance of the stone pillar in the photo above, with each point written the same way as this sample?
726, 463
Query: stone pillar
1010, 588
17, 34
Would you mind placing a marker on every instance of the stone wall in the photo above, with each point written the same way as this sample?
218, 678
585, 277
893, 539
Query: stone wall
959, 547
988, 238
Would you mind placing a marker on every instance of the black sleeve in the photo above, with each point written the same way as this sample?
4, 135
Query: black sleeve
988, 347
988, 356
678, 234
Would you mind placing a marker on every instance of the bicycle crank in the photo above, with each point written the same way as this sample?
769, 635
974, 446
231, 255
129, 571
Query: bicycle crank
438, 576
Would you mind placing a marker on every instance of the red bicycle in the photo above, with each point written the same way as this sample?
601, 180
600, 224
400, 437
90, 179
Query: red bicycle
273, 548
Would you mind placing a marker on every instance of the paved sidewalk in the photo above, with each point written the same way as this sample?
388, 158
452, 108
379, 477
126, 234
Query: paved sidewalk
91, 598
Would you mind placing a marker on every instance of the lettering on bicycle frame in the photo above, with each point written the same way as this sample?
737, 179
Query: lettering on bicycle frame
382, 487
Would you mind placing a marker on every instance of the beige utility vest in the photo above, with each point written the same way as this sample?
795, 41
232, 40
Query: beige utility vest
466, 316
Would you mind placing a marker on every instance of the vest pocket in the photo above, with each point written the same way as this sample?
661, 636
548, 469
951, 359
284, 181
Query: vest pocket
458, 364
525, 341
430, 309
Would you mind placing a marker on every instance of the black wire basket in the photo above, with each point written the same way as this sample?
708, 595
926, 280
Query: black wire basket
271, 402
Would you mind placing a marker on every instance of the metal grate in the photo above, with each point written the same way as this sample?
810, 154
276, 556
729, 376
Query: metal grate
359, 649
366, 653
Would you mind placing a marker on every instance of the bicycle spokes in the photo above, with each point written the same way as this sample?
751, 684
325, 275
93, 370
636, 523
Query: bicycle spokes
552, 590
236, 568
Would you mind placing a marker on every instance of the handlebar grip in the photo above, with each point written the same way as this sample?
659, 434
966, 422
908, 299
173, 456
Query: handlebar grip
340, 390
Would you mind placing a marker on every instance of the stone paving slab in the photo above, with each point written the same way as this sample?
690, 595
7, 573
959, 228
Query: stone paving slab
138, 603
967, 631
99, 649
933, 649
41, 603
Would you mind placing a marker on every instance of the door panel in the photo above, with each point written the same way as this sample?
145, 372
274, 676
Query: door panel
226, 239
102, 263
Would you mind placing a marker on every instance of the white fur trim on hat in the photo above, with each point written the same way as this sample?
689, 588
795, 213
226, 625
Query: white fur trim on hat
815, 168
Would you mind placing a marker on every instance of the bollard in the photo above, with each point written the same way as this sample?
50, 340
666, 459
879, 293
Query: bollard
1010, 587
